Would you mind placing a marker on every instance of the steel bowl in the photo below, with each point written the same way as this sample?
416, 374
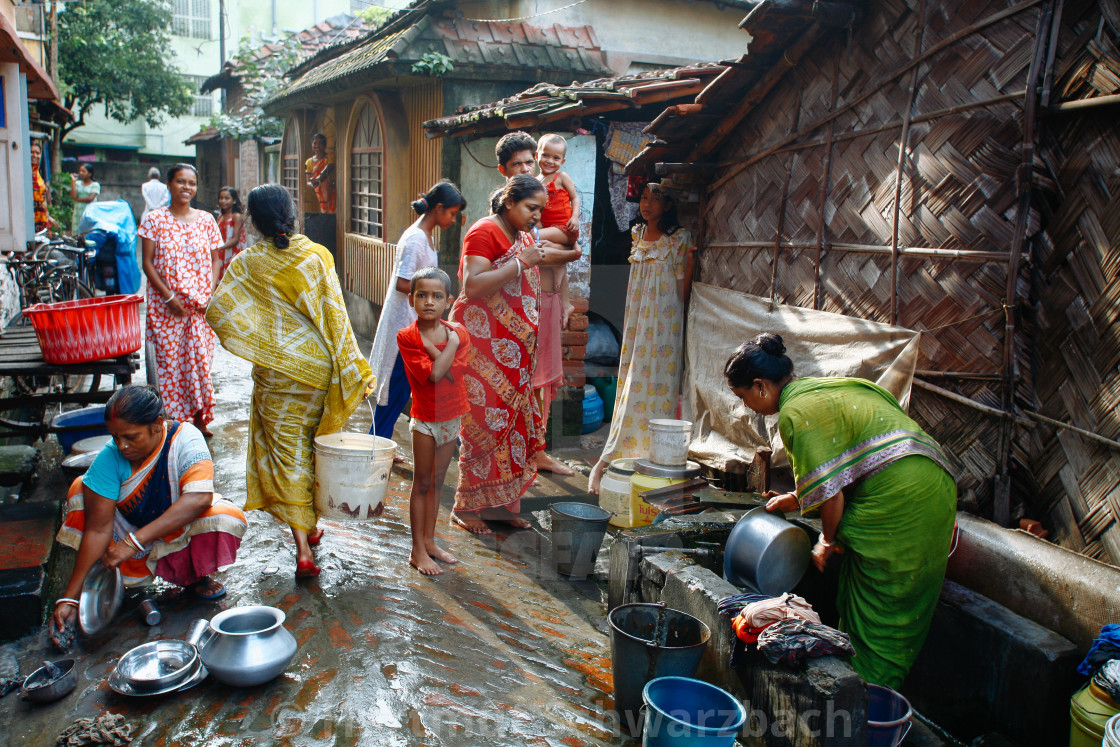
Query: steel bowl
40, 687
101, 597
766, 553
157, 665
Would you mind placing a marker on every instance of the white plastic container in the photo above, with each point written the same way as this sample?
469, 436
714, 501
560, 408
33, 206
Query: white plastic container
614, 491
668, 442
351, 475
1112, 732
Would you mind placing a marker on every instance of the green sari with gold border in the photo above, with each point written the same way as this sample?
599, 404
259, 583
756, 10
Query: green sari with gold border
850, 435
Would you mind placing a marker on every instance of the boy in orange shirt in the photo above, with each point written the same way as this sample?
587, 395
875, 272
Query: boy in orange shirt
434, 353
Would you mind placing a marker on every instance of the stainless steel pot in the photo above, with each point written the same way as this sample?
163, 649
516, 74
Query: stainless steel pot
244, 646
766, 553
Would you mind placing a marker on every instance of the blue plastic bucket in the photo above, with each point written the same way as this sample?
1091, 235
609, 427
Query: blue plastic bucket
94, 417
888, 717
683, 712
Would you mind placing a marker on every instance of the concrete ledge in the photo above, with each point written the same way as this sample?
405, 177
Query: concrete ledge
986, 669
822, 704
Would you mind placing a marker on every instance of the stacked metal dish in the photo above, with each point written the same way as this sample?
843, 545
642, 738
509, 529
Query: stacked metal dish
157, 668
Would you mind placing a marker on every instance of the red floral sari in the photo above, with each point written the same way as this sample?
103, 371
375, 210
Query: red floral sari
501, 433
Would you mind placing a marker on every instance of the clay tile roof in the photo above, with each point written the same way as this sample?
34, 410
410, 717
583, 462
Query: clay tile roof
474, 45
203, 136
546, 102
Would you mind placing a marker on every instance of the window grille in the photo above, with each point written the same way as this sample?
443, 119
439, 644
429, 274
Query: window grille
366, 175
191, 18
291, 170
203, 105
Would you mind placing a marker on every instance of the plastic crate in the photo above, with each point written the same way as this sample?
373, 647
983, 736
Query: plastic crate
88, 329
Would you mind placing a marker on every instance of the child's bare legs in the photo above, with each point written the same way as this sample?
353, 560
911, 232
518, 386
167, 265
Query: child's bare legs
556, 235
439, 471
423, 503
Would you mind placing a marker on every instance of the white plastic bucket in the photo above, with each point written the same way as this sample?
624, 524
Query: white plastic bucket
668, 443
1112, 732
351, 475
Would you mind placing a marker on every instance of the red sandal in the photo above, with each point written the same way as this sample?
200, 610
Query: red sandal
314, 538
307, 569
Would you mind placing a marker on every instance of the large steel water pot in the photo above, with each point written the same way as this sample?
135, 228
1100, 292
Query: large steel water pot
766, 553
244, 646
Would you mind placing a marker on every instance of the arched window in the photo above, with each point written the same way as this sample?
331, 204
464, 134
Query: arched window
291, 168
367, 151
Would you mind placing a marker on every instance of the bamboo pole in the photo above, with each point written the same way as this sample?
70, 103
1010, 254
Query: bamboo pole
1069, 106
824, 188
1002, 511
782, 212
964, 255
1112, 443
893, 75
995, 412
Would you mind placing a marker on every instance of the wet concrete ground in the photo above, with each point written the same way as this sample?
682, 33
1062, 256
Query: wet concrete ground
499, 650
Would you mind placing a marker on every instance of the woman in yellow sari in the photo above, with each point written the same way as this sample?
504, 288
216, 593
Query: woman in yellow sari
280, 306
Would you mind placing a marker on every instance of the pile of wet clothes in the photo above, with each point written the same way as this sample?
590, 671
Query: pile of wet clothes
785, 629
1102, 663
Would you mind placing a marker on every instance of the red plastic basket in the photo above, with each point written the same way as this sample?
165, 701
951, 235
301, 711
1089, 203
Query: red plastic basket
88, 329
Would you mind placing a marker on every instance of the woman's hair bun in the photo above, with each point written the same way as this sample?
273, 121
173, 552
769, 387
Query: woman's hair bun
771, 344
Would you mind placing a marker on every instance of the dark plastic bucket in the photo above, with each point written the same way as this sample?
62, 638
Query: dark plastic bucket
650, 641
577, 535
93, 416
683, 712
888, 717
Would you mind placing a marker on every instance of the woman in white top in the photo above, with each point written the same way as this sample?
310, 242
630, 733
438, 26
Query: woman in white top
415, 250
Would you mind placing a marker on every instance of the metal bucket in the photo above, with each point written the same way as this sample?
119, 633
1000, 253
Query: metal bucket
577, 535
650, 641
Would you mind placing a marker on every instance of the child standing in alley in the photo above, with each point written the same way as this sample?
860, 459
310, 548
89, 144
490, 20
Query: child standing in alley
559, 225
434, 353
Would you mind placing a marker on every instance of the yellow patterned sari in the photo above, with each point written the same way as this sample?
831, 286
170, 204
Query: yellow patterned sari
283, 310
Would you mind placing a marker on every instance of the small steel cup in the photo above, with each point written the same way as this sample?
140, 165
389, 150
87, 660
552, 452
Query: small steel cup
150, 612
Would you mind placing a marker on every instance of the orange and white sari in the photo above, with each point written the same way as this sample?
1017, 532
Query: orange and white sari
180, 465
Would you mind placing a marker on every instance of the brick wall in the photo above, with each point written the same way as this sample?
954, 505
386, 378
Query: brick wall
250, 166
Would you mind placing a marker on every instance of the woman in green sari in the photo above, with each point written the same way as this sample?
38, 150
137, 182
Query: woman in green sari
883, 490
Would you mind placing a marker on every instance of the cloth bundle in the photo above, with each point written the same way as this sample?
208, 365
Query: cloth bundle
1108, 678
1106, 647
756, 616
791, 641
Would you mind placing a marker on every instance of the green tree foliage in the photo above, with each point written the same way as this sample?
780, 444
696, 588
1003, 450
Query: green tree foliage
117, 54
261, 78
375, 15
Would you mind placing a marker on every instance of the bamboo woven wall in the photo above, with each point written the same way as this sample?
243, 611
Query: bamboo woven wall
1078, 284
815, 224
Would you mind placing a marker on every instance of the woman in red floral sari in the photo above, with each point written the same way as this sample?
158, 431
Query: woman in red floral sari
498, 304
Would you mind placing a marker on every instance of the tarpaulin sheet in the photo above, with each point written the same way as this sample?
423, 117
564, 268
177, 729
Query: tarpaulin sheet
115, 218
820, 343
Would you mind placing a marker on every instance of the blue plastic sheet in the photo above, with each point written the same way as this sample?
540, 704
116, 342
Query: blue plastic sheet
115, 218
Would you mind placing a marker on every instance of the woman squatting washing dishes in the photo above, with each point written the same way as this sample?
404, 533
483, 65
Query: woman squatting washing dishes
280, 306
147, 506
883, 490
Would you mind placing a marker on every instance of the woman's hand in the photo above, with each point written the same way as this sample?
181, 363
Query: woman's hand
531, 256
116, 553
61, 627
784, 502
175, 307
822, 551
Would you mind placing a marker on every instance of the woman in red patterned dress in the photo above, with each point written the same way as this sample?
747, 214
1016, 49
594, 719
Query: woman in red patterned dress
182, 263
498, 304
